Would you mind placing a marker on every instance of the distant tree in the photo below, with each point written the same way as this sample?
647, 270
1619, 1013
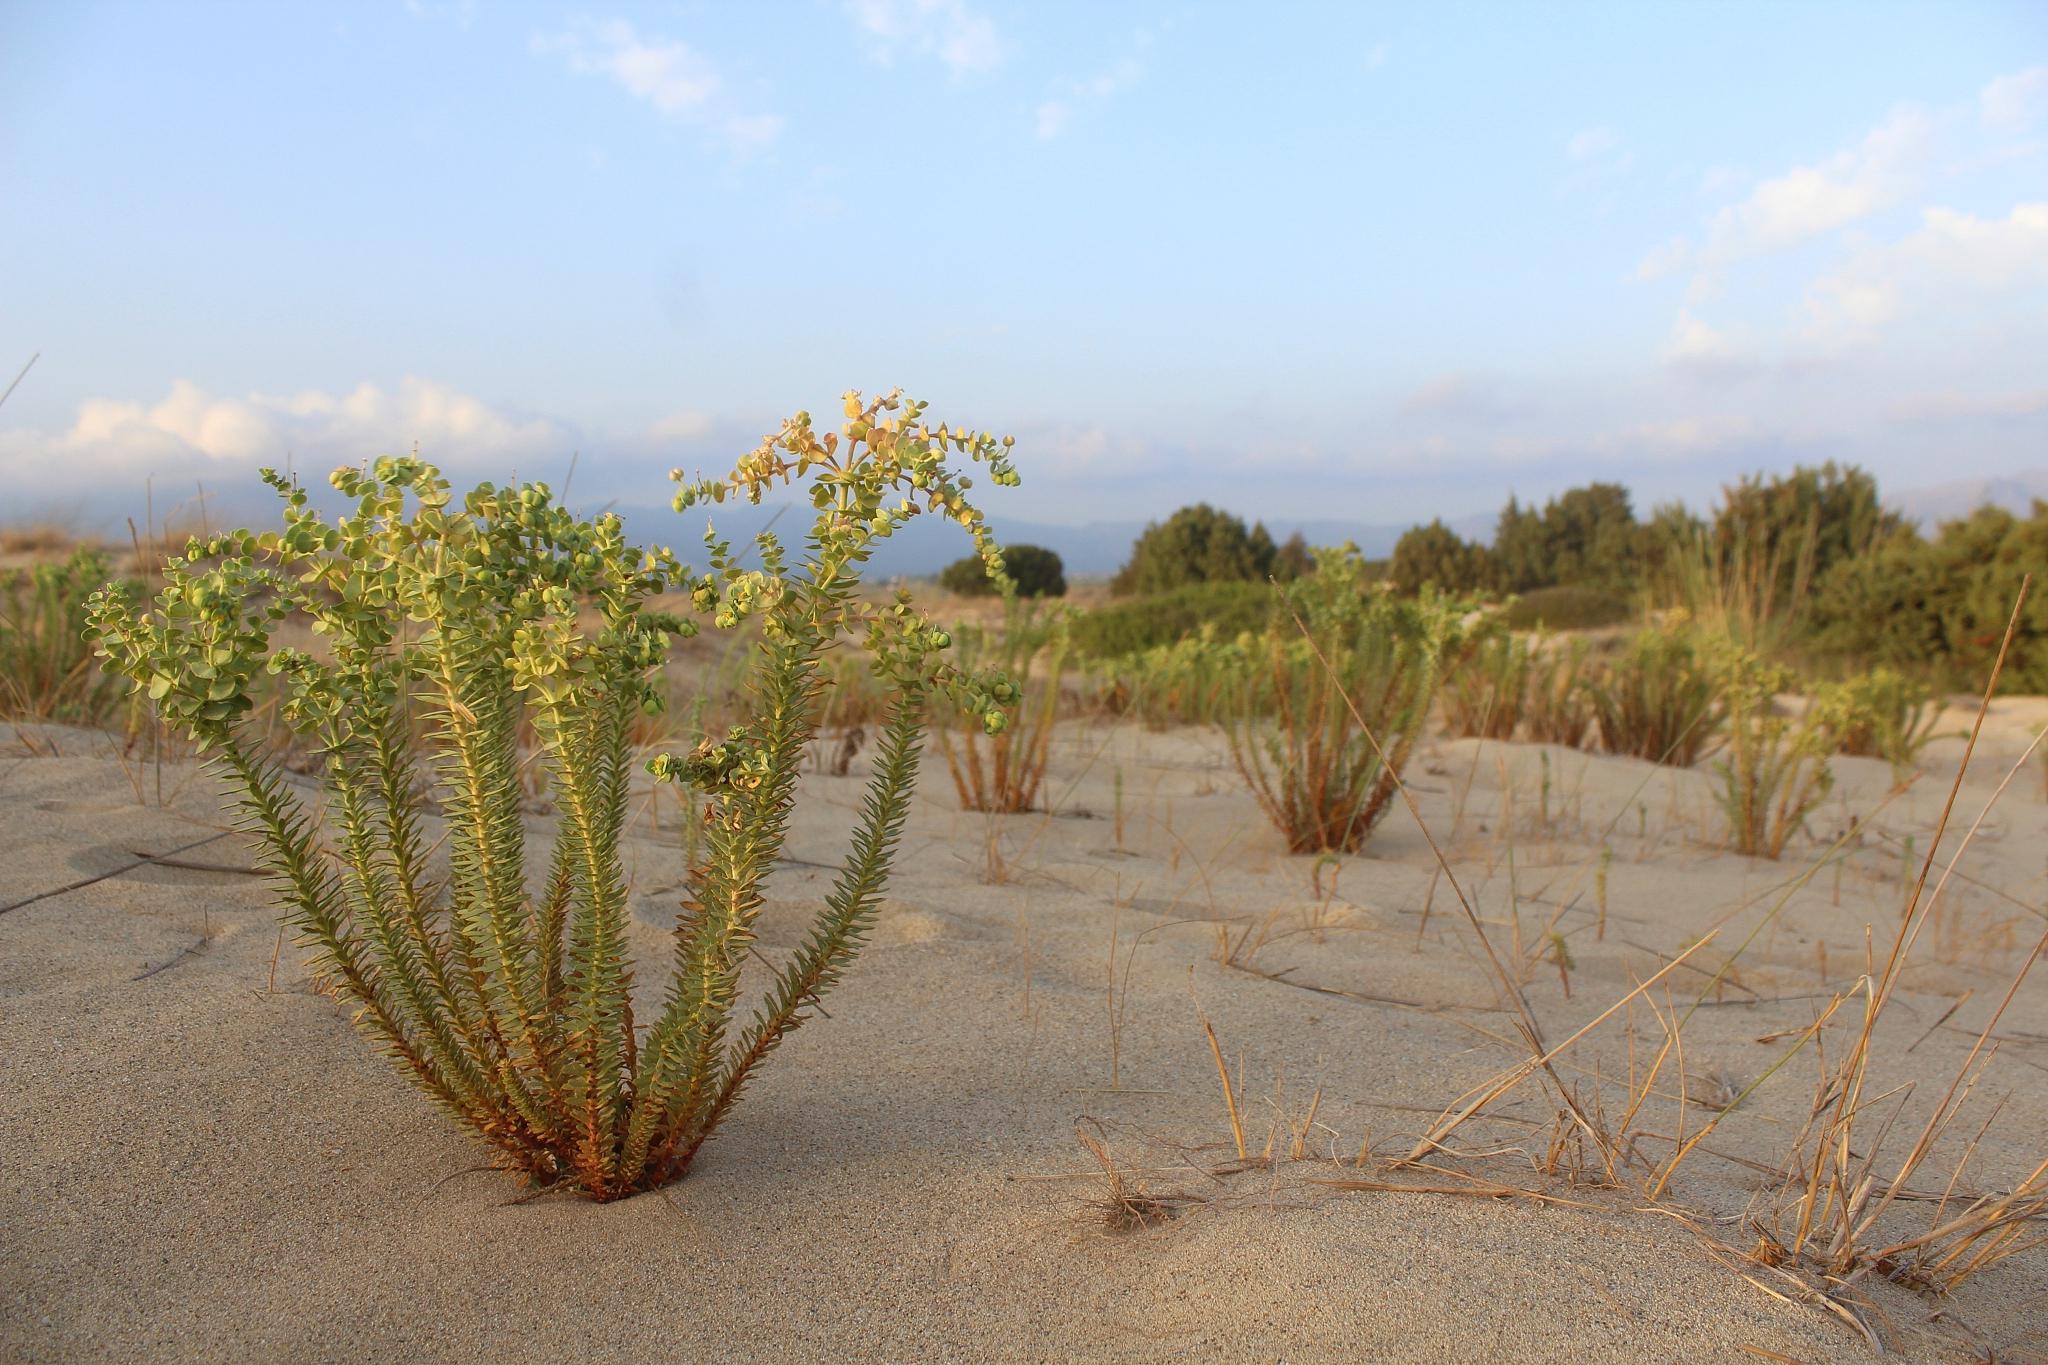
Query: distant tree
1197, 544
1521, 550
1584, 537
1804, 523
1670, 536
1294, 559
1435, 554
1035, 570
1593, 536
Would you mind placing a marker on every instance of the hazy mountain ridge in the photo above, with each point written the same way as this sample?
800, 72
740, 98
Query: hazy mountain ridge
926, 544
1930, 506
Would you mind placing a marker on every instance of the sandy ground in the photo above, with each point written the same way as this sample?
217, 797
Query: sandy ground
200, 1161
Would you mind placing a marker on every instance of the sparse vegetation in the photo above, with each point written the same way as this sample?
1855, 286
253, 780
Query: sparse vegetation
1226, 609
47, 668
1567, 607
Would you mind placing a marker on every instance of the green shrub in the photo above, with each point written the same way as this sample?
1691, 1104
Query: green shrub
1513, 684
1776, 770
1436, 556
1485, 696
1556, 708
1315, 772
47, 668
1879, 714
1567, 608
1661, 699
1124, 628
512, 1004
1035, 570
1940, 606
1198, 544
1794, 528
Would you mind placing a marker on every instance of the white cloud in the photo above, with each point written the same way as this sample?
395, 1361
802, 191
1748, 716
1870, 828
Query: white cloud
1696, 345
1883, 169
1667, 259
1600, 160
1719, 180
1952, 258
668, 74
2011, 103
950, 32
1062, 452
687, 425
191, 432
1056, 115
1459, 397
1589, 143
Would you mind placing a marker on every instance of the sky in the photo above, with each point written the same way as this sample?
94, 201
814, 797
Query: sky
1377, 262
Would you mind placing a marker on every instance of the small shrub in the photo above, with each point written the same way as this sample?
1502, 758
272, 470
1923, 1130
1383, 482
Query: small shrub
1879, 714
1228, 609
1002, 772
1566, 608
1660, 700
512, 1005
47, 668
1555, 706
1776, 770
1485, 698
1034, 571
1316, 774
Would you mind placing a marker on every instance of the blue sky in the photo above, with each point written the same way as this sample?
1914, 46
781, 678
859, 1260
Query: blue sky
1371, 262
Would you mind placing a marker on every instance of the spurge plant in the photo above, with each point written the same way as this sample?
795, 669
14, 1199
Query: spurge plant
446, 625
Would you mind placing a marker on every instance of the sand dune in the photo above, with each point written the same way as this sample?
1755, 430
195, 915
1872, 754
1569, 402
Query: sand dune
200, 1159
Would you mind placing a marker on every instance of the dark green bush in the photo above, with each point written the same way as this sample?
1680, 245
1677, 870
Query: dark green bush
1437, 555
1939, 607
1294, 559
1802, 524
1198, 544
1035, 570
1164, 618
1568, 608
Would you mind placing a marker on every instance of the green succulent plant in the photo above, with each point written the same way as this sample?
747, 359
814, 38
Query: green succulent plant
446, 623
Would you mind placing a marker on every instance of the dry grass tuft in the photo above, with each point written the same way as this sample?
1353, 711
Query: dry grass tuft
1125, 1205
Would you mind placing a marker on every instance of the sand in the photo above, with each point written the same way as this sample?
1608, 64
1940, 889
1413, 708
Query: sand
199, 1159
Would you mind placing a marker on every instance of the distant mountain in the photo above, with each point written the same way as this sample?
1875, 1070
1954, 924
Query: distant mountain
925, 545
1936, 503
